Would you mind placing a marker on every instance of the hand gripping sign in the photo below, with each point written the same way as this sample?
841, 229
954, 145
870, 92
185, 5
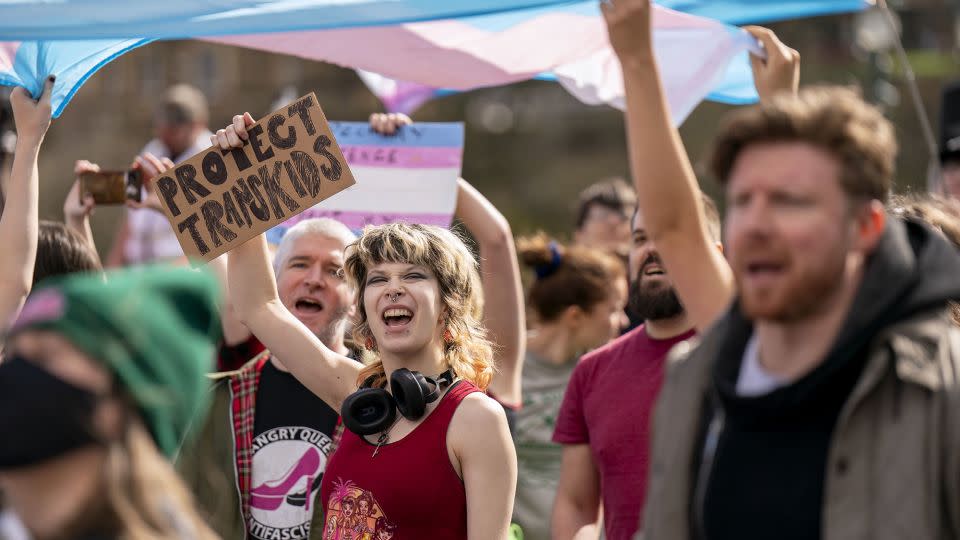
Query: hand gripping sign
219, 199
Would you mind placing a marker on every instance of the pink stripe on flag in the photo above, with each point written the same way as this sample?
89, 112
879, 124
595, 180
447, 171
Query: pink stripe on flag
359, 220
397, 96
8, 53
443, 54
400, 157
666, 19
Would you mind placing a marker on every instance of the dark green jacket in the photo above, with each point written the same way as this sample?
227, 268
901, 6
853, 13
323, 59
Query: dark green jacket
210, 461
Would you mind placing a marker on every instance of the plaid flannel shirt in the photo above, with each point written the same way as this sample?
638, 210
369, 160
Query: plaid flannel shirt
243, 394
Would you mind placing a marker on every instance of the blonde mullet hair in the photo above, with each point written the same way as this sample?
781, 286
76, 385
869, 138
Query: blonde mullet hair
468, 353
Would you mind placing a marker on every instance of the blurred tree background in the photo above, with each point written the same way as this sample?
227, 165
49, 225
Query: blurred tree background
530, 147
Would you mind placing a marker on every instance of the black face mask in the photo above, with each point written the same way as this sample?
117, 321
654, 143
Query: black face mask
41, 415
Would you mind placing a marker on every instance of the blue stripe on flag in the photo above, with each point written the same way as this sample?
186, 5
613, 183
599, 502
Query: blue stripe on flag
100, 19
430, 134
72, 61
763, 11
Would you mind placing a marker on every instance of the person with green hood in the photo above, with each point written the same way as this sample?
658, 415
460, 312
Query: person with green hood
98, 388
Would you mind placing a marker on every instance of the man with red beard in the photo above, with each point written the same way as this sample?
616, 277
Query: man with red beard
825, 401
603, 423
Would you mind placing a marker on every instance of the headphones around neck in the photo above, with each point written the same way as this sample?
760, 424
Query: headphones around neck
373, 410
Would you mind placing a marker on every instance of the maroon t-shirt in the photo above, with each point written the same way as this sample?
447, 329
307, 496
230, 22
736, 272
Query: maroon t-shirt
608, 405
408, 491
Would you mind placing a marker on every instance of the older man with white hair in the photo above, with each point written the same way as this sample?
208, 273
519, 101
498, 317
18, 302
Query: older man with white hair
255, 464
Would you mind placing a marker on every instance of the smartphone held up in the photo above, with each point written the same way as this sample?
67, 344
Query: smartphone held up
112, 187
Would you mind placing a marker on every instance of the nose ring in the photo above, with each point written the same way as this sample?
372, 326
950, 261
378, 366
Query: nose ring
394, 296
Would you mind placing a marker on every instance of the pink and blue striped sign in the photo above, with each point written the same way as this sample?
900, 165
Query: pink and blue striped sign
409, 177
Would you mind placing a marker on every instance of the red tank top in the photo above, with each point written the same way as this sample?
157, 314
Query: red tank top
409, 491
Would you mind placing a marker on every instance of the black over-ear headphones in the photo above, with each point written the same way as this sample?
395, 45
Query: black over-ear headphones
373, 410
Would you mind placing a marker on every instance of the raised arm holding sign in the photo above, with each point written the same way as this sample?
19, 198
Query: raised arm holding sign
288, 162
418, 296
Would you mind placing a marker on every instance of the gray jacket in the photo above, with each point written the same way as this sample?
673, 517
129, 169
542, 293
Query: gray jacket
893, 463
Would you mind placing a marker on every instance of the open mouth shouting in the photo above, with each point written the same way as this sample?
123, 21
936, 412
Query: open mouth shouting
397, 317
763, 273
653, 269
308, 305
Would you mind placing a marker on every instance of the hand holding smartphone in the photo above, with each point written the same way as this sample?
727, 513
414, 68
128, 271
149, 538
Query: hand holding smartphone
112, 187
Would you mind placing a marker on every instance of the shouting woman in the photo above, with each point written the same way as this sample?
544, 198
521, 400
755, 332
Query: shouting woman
428, 449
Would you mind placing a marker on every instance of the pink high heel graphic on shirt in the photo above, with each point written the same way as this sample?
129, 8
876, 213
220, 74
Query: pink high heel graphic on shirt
302, 498
271, 494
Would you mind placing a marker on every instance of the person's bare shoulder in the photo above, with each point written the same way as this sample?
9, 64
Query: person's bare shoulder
477, 418
480, 409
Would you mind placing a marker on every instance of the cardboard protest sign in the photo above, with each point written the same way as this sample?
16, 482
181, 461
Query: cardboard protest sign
410, 176
218, 199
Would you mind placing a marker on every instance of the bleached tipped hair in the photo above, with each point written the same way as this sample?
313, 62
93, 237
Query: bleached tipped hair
467, 352
328, 227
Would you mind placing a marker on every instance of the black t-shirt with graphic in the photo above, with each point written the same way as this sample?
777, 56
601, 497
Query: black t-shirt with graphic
293, 432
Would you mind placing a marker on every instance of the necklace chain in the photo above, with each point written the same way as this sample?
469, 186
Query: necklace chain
384, 438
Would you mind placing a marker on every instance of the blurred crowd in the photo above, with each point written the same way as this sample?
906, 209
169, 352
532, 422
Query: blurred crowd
788, 369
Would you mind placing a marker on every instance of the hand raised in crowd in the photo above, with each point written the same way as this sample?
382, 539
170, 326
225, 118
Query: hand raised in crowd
152, 167
19, 222
388, 124
77, 208
668, 194
32, 117
233, 135
503, 309
779, 71
628, 27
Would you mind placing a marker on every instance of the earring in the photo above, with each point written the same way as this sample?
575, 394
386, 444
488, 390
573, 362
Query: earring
447, 336
369, 343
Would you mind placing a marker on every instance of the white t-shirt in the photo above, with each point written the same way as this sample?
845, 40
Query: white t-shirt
11, 528
151, 236
754, 380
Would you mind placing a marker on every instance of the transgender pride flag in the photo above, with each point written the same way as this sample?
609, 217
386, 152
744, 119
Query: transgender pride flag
566, 43
428, 44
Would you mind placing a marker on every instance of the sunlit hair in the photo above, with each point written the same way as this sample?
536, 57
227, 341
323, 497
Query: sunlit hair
468, 352
330, 228
939, 213
567, 276
836, 120
60, 251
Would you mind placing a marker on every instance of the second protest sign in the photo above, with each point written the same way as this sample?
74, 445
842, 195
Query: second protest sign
219, 199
